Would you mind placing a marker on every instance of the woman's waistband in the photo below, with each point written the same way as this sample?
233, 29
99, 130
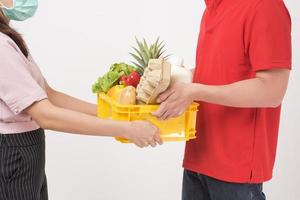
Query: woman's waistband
22, 139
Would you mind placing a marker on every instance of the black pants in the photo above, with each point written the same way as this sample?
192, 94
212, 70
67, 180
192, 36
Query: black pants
201, 187
22, 166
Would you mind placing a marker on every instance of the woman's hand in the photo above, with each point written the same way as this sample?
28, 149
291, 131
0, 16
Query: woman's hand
174, 101
143, 134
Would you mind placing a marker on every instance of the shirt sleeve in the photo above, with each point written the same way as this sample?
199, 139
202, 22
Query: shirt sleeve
18, 89
270, 36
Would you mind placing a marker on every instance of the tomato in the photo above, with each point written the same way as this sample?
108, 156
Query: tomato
123, 79
133, 79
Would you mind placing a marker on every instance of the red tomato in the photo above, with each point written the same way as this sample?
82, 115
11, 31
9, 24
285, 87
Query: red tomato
133, 79
123, 79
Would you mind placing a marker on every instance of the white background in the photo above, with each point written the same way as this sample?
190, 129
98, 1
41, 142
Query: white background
76, 41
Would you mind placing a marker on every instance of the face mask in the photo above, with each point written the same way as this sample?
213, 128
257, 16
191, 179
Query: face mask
22, 9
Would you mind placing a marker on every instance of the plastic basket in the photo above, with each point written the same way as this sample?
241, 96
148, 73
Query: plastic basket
173, 130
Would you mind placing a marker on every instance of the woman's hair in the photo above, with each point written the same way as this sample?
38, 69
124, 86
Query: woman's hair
14, 35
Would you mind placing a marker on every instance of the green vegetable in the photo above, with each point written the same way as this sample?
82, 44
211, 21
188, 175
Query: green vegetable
112, 77
122, 68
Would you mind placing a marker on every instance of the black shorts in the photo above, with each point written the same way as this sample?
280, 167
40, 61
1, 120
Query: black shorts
22, 166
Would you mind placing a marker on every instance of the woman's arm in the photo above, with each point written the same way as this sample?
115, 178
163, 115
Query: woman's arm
267, 89
49, 116
65, 101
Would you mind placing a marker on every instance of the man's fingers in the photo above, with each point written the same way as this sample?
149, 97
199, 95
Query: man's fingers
161, 110
176, 113
164, 96
181, 112
165, 116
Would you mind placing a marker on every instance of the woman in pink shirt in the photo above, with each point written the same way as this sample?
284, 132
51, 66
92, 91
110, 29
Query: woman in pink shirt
28, 105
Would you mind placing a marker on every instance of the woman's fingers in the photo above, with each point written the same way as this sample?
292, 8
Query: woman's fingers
145, 134
150, 142
158, 139
138, 144
153, 143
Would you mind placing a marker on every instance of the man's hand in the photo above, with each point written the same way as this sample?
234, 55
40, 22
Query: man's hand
174, 101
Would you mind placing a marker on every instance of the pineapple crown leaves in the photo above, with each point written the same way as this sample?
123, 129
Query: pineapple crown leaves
144, 52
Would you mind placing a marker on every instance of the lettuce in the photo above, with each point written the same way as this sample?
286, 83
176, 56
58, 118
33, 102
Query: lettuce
112, 77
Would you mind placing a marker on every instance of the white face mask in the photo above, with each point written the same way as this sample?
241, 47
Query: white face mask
21, 10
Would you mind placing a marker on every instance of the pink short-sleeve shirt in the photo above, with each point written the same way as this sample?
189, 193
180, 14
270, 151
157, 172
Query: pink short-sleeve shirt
21, 84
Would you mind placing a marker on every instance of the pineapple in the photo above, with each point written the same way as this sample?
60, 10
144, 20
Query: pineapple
144, 52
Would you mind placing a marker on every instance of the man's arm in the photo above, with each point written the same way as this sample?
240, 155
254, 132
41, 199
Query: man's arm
68, 102
267, 89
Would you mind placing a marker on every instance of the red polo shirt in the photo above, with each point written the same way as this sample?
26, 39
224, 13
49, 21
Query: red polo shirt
238, 38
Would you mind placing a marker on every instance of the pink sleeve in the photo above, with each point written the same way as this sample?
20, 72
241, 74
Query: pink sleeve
18, 89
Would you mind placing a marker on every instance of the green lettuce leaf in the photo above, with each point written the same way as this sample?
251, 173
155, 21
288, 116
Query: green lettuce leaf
112, 77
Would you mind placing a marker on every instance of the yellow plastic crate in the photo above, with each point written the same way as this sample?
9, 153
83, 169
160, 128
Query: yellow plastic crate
177, 129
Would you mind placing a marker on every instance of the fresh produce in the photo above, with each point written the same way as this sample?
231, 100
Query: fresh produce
144, 52
122, 68
112, 77
133, 79
115, 91
141, 83
127, 96
123, 95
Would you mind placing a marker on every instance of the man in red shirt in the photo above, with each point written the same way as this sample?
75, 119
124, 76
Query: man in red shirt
242, 71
